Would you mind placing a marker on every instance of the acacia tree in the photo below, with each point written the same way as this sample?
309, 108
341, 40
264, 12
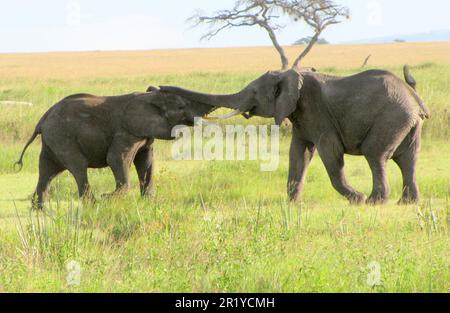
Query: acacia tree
318, 14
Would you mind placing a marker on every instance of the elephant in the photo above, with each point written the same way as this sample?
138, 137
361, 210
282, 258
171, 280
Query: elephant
373, 114
86, 131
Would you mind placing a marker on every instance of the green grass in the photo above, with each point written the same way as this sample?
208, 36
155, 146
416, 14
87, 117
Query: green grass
220, 226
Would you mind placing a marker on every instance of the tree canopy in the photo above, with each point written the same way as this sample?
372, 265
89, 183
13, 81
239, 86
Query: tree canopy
266, 14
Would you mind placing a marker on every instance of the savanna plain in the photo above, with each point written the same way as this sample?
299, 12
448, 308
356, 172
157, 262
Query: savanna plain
219, 226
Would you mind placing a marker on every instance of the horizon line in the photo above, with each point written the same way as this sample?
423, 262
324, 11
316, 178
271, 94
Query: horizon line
220, 47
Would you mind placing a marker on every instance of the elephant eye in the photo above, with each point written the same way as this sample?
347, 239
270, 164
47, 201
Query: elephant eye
277, 91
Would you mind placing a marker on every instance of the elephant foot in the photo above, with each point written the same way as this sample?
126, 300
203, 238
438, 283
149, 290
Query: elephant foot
294, 192
294, 198
376, 200
36, 203
115, 194
410, 196
37, 206
408, 200
88, 198
148, 194
357, 198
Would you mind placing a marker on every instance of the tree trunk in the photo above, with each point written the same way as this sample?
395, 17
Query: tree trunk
307, 49
283, 56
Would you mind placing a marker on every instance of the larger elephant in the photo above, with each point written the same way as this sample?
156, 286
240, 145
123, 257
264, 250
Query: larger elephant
86, 131
374, 114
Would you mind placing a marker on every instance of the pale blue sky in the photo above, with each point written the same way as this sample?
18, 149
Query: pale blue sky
68, 25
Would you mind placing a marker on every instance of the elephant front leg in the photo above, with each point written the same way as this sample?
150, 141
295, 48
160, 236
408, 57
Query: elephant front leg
334, 164
121, 175
144, 167
300, 156
120, 156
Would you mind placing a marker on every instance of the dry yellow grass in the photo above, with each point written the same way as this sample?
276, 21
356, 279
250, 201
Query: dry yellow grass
94, 64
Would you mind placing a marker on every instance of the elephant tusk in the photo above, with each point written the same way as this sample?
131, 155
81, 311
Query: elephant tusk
224, 117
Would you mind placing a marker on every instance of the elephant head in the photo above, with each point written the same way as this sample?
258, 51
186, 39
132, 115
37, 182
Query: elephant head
275, 94
155, 113
178, 109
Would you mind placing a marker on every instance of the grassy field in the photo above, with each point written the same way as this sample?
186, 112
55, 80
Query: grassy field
219, 226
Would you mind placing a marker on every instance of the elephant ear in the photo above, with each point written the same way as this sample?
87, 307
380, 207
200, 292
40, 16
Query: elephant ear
289, 92
172, 107
153, 114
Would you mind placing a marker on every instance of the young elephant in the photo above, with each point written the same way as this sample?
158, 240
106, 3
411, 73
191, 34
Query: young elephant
84, 131
373, 113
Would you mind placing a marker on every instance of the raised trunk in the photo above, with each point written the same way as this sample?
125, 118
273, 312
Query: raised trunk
231, 101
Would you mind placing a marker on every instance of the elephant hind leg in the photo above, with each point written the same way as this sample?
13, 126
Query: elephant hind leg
406, 159
380, 191
378, 147
79, 169
77, 164
48, 169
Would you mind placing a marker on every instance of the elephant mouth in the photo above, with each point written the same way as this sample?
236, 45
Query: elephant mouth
223, 117
251, 113
247, 114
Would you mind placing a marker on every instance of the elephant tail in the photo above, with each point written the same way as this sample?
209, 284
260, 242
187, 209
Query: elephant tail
37, 132
425, 113
409, 78
19, 164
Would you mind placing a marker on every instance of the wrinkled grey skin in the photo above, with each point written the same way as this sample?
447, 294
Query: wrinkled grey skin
374, 114
85, 131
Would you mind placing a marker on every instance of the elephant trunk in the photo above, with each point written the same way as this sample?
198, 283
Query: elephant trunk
227, 101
